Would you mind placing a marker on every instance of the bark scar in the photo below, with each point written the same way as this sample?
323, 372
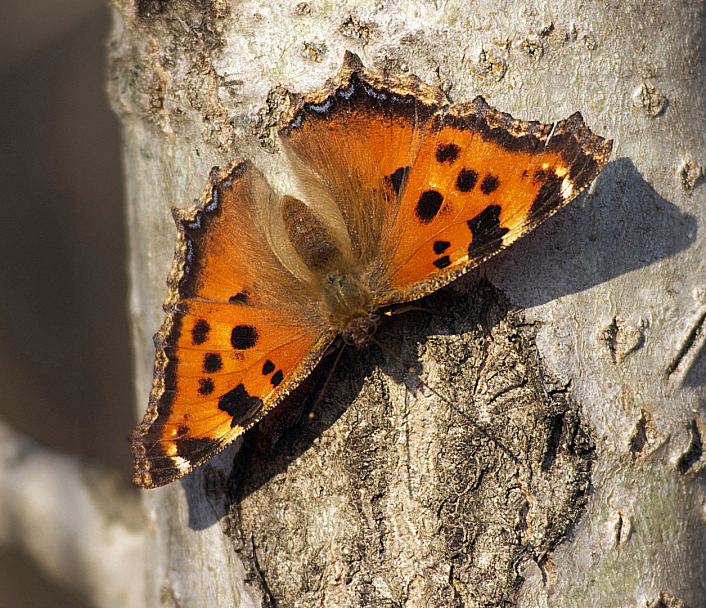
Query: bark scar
691, 347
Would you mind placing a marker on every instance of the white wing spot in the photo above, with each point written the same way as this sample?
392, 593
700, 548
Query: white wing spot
567, 188
182, 464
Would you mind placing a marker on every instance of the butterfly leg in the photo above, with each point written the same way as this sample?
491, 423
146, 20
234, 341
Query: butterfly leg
340, 345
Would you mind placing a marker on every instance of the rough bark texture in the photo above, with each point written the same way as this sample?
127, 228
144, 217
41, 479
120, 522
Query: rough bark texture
392, 496
568, 383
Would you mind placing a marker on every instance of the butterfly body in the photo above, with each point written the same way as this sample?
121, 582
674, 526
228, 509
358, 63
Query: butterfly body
404, 193
346, 300
351, 312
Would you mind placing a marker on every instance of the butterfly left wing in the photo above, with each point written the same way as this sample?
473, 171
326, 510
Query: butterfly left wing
241, 331
481, 180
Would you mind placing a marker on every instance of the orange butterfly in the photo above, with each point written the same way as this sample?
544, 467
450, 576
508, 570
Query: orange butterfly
405, 194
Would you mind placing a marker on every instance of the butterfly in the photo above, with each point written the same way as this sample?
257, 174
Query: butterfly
404, 192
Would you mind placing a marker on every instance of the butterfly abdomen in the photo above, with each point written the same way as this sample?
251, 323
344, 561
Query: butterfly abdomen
310, 237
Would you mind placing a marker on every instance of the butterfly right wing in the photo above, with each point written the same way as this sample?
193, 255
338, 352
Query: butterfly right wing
241, 331
480, 181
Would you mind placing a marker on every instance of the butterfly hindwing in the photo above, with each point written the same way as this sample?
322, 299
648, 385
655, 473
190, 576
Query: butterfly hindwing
239, 332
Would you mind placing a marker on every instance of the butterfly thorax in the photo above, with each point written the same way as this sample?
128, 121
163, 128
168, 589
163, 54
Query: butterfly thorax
347, 300
350, 307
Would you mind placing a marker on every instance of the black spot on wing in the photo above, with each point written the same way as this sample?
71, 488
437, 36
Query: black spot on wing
239, 404
240, 298
441, 246
428, 206
277, 378
205, 386
486, 232
199, 332
243, 337
268, 368
398, 179
447, 153
212, 363
489, 184
466, 180
443, 262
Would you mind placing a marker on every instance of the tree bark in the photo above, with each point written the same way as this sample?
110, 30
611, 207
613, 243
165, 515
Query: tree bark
556, 459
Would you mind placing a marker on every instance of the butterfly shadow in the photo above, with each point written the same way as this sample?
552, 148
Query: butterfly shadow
285, 434
621, 225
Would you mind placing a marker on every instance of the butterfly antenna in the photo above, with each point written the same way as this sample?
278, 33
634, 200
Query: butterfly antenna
322, 392
409, 308
411, 369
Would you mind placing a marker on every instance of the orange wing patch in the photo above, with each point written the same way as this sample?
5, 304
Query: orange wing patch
226, 370
481, 180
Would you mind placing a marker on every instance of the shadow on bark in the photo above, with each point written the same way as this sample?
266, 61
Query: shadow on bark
621, 226
395, 494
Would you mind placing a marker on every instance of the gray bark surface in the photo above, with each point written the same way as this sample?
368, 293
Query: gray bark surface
558, 460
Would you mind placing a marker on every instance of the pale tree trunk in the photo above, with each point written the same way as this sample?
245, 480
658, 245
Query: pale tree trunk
563, 465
